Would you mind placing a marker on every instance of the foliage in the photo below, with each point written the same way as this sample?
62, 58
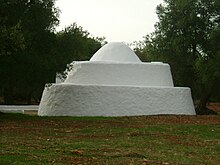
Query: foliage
186, 37
31, 52
210, 74
75, 44
27, 36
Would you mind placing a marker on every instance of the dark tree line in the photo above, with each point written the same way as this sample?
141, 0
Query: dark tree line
31, 52
187, 37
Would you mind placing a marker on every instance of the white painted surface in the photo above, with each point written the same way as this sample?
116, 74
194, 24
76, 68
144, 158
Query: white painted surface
133, 74
116, 83
59, 78
115, 52
91, 100
18, 108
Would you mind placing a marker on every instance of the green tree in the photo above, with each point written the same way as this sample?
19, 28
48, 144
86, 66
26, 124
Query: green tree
183, 38
27, 35
208, 69
31, 52
75, 44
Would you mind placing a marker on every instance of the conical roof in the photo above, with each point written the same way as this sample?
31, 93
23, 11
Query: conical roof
115, 52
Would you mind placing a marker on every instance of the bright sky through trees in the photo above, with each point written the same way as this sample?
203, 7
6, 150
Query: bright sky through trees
117, 20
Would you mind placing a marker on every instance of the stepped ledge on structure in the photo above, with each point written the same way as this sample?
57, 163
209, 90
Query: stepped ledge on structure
116, 83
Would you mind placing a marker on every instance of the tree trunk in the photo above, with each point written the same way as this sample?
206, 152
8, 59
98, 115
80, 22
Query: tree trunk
201, 108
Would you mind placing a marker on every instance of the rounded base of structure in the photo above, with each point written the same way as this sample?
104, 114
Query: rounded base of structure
92, 100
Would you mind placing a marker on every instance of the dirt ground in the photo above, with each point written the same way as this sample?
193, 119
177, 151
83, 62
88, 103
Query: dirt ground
214, 106
164, 139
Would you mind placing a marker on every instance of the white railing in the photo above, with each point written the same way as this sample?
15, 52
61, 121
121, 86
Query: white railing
19, 108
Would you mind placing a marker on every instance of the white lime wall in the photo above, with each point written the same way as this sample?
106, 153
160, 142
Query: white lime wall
116, 83
96, 100
128, 74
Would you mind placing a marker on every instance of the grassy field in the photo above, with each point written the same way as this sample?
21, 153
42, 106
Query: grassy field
106, 140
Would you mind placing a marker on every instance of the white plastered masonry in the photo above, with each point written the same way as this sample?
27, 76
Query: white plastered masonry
116, 83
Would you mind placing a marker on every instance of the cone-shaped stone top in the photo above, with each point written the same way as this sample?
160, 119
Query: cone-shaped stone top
116, 52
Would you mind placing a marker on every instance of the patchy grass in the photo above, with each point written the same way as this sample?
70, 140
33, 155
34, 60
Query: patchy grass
109, 140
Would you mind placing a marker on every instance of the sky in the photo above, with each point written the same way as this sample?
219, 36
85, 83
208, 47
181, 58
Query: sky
116, 20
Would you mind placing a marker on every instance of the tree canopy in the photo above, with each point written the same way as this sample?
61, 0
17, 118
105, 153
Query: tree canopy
186, 37
32, 52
